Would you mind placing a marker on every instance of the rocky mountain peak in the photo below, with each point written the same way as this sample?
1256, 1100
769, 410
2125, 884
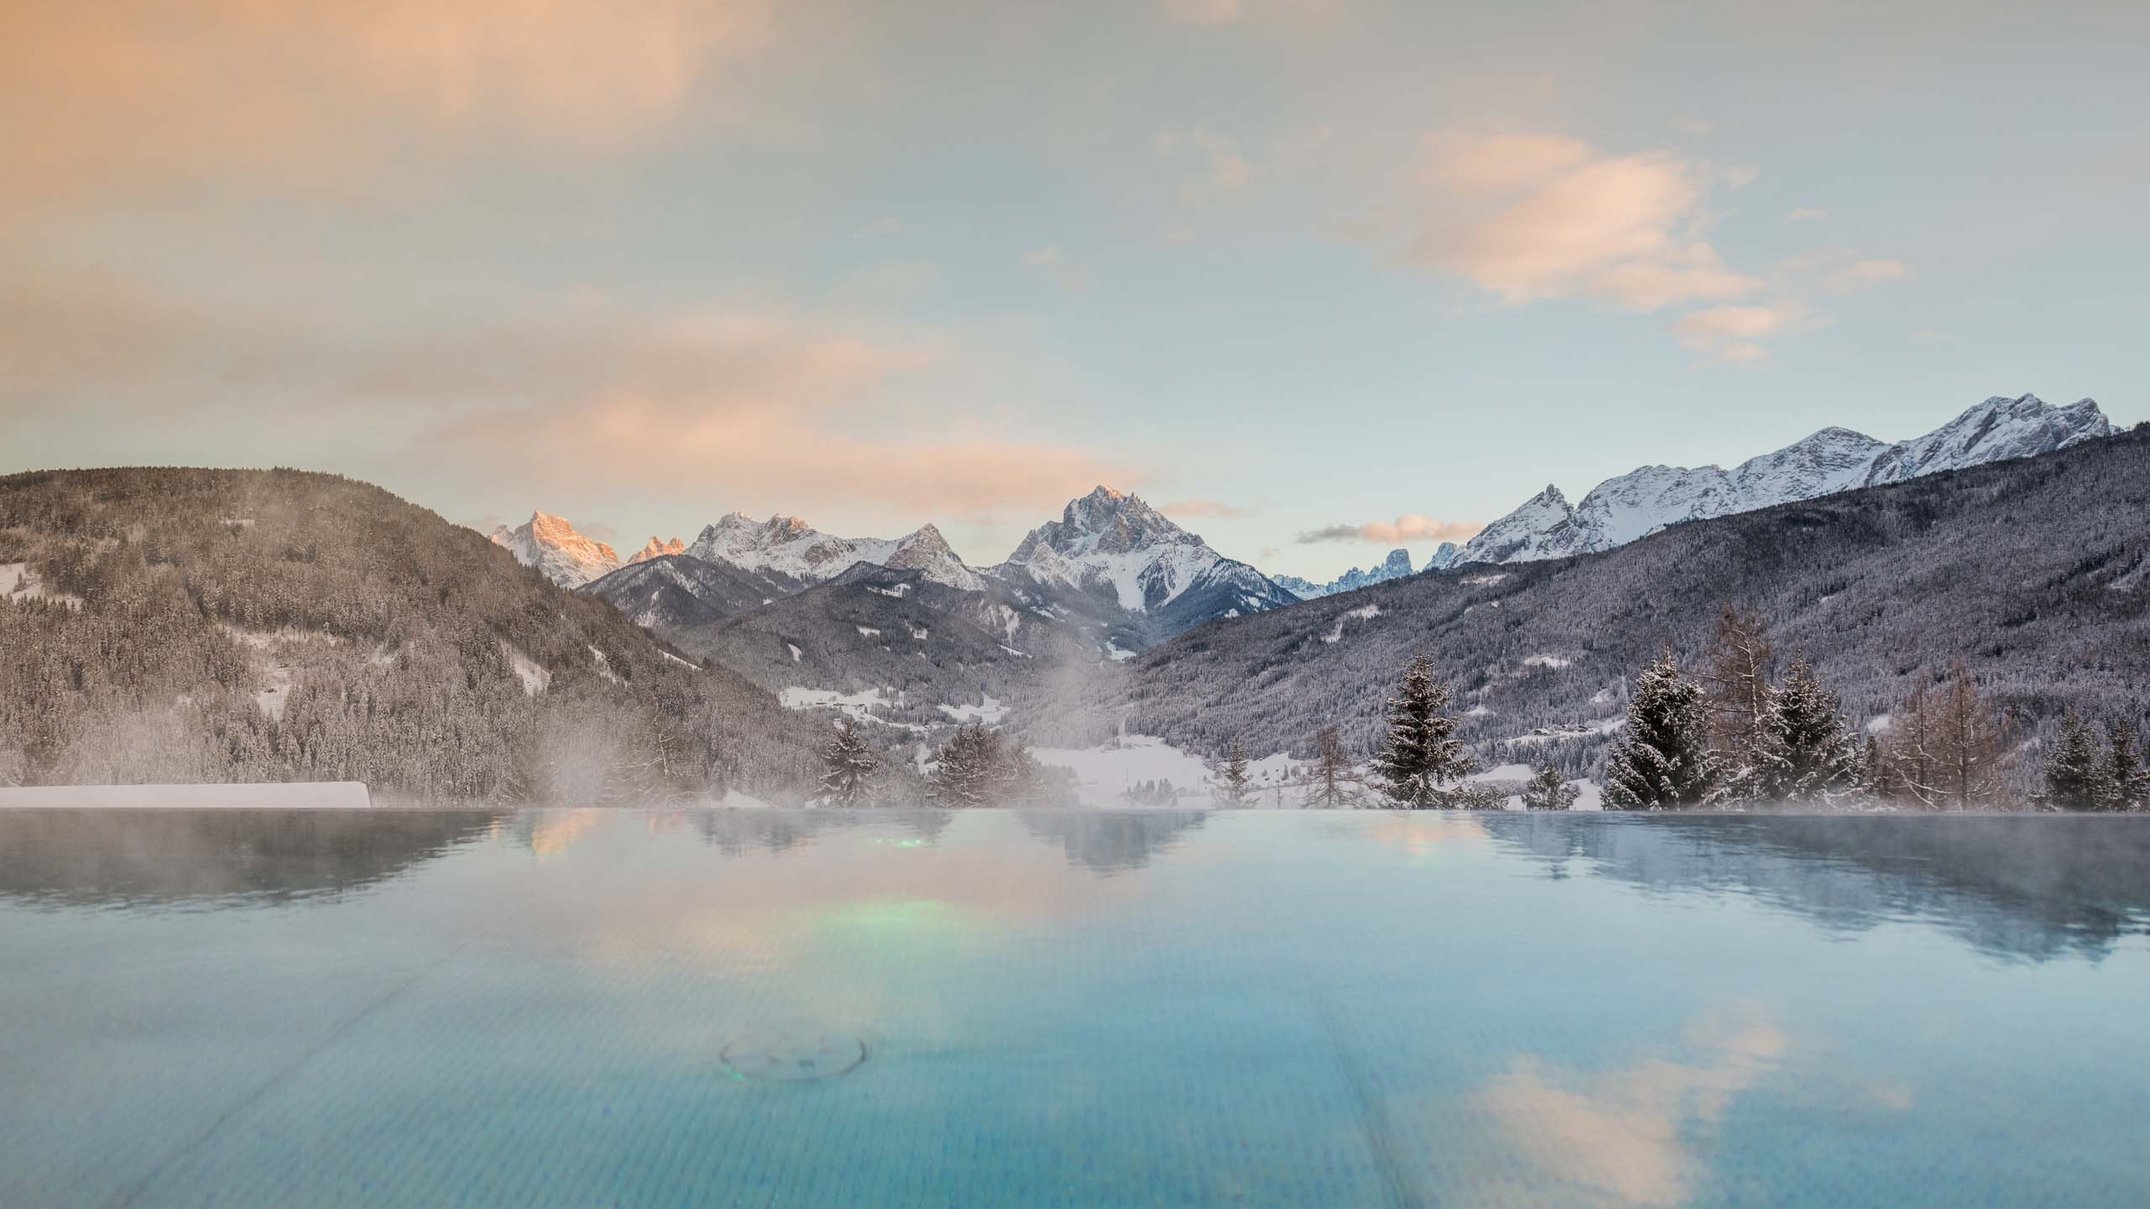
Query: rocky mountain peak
551, 544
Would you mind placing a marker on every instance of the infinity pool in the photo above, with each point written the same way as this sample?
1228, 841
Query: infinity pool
1081, 1009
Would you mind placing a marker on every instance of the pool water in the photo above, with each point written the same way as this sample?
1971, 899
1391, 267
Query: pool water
598, 1008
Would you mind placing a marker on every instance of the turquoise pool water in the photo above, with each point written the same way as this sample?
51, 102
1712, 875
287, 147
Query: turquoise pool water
986, 1009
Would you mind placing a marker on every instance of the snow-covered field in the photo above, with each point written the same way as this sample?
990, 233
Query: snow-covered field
1103, 775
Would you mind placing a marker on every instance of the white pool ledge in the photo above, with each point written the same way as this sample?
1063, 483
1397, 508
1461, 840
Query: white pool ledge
309, 795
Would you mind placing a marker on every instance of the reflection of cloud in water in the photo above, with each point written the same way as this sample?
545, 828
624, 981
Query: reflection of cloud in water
1629, 1137
549, 833
1422, 834
1111, 841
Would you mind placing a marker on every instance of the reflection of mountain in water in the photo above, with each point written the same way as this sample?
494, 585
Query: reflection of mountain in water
743, 832
2029, 887
119, 856
1111, 841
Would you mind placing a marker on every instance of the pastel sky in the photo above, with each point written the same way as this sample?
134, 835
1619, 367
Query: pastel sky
1315, 276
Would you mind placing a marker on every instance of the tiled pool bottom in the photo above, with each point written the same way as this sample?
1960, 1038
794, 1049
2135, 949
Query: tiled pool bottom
611, 1008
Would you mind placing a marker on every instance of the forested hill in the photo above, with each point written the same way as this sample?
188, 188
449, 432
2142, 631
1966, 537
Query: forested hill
2035, 572
209, 625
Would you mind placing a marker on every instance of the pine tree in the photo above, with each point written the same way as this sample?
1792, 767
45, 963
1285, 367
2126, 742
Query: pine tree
2130, 779
1548, 790
2077, 775
848, 764
1330, 770
1422, 754
1805, 755
1663, 762
1232, 776
971, 768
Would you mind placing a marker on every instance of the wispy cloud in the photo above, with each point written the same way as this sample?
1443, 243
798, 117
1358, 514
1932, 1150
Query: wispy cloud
126, 95
769, 402
1734, 333
1809, 214
1536, 216
1407, 528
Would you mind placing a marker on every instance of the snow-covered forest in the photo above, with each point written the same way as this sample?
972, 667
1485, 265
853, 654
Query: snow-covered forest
193, 625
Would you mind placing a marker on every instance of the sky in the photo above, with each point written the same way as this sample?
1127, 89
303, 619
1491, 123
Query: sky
1316, 277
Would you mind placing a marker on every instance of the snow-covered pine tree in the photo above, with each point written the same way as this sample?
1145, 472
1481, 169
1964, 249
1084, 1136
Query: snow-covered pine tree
1663, 761
970, 771
1736, 681
1331, 769
1232, 776
2077, 775
1548, 790
1805, 755
848, 764
1422, 754
2131, 780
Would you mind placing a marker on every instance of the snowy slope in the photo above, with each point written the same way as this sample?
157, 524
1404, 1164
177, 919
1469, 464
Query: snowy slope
1119, 549
551, 544
1641, 502
674, 590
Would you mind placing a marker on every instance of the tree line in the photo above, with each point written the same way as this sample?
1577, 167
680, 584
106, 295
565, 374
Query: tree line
1740, 733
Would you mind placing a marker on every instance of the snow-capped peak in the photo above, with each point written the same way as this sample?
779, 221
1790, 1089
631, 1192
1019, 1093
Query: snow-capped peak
1114, 545
1542, 528
551, 544
1641, 502
786, 545
1995, 430
928, 553
658, 549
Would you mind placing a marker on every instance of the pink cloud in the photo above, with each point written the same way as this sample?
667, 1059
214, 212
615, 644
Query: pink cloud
1545, 216
1406, 528
115, 96
1734, 333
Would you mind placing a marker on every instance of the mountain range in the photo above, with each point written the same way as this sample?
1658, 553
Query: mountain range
214, 625
2035, 572
1641, 502
1396, 566
1111, 564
